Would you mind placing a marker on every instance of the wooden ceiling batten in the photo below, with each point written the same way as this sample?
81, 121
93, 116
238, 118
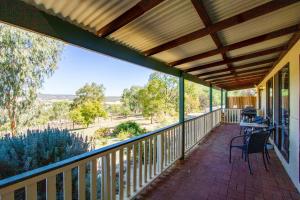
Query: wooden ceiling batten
265, 68
241, 44
245, 66
240, 78
231, 21
198, 5
238, 58
136, 11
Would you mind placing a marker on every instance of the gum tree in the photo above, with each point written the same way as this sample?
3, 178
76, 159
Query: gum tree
26, 59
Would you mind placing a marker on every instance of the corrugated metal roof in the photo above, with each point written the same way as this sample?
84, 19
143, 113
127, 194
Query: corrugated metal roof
221, 9
209, 69
204, 61
254, 67
167, 21
261, 46
276, 20
222, 73
172, 19
89, 14
260, 58
191, 48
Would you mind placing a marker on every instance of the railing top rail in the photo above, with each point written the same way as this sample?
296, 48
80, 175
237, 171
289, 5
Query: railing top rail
45, 169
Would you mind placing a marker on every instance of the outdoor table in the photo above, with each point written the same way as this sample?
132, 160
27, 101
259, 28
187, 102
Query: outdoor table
252, 125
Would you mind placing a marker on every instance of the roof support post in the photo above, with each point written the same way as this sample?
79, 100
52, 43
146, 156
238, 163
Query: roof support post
221, 98
181, 113
210, 98
226, 99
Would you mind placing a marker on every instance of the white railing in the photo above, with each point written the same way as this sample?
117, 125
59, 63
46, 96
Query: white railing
233, 115
118, 171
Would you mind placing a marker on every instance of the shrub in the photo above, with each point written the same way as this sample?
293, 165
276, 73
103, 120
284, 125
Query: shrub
38, 148
101, 133
124, 135
131, 127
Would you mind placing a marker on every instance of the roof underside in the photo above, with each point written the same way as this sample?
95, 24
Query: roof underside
232, 44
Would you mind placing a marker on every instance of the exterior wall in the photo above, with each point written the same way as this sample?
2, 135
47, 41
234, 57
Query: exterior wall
292, 57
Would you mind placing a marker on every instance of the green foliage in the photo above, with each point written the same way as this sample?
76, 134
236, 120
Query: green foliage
59, 110
86, 112
124, 135
101, 133
152, 99
89, 92
26, 59
38, 148
114, 109
130, 100
133, 128
88, 105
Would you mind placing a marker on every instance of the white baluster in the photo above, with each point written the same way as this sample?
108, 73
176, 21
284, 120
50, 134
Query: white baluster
31, 191
51, 188
81, 181
67, 184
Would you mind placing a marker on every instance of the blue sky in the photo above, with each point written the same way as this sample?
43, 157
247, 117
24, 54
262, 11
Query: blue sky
79, 66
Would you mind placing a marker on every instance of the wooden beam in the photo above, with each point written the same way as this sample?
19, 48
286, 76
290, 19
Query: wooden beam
25, 16
290, 44
265, 68
136, 11
240, 78
238, 45
231, 21
238, 67
239, 58
198, 5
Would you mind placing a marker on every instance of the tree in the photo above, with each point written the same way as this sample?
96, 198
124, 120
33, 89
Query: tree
130, 100
26, 59
60, 110
151, 99
87, 112
191, 95
169, 91
88, 104
89, 92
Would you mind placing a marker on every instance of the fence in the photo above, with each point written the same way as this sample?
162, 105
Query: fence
241, 101
118, 171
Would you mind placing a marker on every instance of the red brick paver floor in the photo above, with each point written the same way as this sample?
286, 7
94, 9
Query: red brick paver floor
207, 174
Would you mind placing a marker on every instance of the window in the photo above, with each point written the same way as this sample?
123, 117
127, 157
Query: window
260, 94
284, 111
269, 95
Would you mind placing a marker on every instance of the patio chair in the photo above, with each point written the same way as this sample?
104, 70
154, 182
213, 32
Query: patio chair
254, 143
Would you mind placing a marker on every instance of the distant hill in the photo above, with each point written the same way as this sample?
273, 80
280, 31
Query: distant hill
69, 97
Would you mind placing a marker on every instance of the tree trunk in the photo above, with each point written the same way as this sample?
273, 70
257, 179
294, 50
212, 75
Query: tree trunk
151, 118
13, 123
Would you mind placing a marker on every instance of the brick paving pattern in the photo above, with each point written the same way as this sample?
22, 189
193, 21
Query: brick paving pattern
207, 174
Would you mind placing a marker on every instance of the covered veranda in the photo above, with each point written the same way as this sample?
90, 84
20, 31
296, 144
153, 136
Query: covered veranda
207, 174
225, 45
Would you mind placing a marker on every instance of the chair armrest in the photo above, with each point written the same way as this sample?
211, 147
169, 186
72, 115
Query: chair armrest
232, 139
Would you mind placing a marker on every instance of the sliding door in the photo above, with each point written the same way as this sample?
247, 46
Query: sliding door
284, 110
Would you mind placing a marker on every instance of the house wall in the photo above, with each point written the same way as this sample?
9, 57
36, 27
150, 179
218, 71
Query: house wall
292, 57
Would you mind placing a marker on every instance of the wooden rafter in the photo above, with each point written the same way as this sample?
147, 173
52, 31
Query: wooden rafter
238, 45
241, 81
291, 42
265, 68
238, 58
240, 78
245, 66
136, 11
231, 21
198, 5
